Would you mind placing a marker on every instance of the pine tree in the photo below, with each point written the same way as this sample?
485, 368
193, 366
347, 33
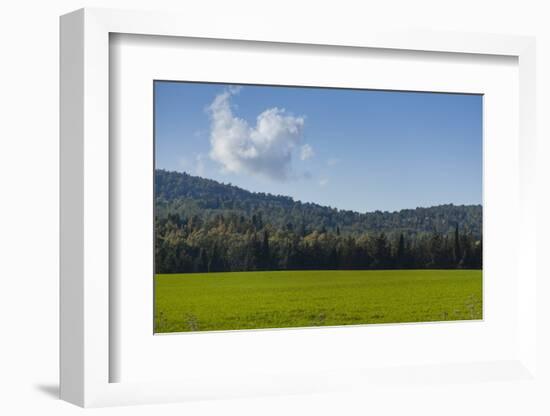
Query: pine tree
401, 251
381, 251
457, 251
265, 251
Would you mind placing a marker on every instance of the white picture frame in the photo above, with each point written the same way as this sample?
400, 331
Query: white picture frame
86, 353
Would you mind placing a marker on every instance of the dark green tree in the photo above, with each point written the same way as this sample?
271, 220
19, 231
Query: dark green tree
457, 250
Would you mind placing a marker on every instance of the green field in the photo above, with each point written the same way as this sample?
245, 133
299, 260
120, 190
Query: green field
282, 299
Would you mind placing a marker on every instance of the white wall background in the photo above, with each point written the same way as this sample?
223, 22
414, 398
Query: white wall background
29, 185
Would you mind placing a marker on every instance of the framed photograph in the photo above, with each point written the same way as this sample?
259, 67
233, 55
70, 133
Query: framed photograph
365, 208
280, 212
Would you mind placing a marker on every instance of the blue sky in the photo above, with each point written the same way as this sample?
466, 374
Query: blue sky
351, 149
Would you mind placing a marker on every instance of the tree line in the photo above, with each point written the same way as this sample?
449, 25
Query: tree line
205, 226
237, 243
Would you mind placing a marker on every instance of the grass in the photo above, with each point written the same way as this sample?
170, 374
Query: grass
282, 299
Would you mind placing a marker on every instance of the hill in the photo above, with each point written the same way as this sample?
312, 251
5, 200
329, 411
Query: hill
205, 226
191, 196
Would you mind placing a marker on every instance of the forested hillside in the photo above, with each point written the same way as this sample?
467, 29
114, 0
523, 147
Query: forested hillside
203, 225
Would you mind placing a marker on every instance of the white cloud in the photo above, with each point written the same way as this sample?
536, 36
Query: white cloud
306, 152
264, 149
323, 182
333, 161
